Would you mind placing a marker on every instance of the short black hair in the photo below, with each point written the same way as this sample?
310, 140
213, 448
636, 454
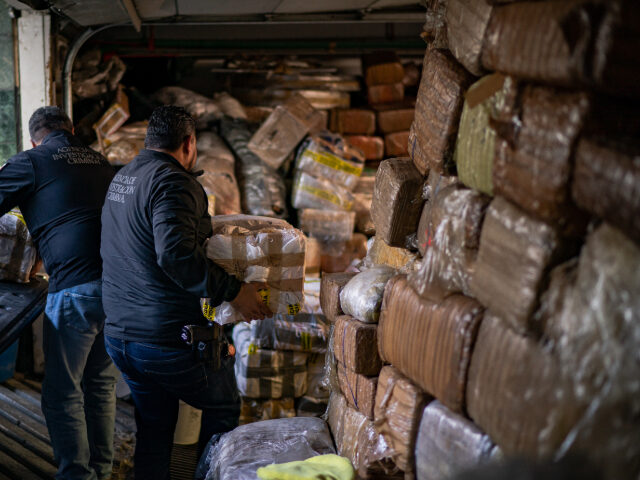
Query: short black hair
169, 125
47, 119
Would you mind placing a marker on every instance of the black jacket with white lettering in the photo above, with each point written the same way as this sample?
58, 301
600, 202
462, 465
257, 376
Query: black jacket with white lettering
154, 225
60, 187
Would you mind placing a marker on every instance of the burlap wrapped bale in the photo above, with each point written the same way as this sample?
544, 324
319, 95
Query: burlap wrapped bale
515, 253
394, 118
303, 332
382, 68
389, 93
534, 170
467, 21
517, 394
382, 254
354, 121
396, 144
327, 225
361, 297
449, 443
355, 345
371, 147
438, 109
359, 390
330, 288
397, 201
435, 183
606, 181
429, 343
17, 251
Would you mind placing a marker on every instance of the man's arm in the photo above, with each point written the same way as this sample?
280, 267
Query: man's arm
17, 180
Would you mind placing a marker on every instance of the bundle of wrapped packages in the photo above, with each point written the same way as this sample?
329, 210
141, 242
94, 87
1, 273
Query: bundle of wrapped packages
362, 296
453, 236
319, 193
359, 390
435, 183
259, 249
92, 78
330, 288
237, 454
203, 110
355, 345
467, 21
396, 144
229, 106
428, 342
438, 109
17, 252
327, 225
394, 117
388, 93
382, 68
218, 178
449, 443
341, 256
363, 199
262, 188
380, 253
353, 121
124, 144
515, 253
371, 147
314, 402
303, 332
255, 410
313, 260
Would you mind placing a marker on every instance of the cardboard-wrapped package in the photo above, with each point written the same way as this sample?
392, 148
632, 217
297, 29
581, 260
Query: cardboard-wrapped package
254, 410
327, 225
388, 93
397, 201
382, 68
17, 252
355, 345
359, 390
371, 147
382, 254
394, 118
396, 144
330, 288
435, 183
467, 21
314, 192
361, 297
340, 256
449, 443
438, 109
303, 332
354, 121
428, 342
398, 408
515, 253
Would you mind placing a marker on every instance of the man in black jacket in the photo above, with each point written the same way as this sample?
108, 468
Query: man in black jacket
155, 223
60, 186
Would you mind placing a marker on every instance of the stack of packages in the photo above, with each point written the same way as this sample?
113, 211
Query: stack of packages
17, 252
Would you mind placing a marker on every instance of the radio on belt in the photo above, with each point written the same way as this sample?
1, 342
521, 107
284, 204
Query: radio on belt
208, 343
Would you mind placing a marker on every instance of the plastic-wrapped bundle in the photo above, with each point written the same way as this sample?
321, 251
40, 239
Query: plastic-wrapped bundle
371, 147
202, 109
312, 296
533, 170
435, 26
359, 390
262, 188
396, 144
304, 332
552, 302
342, 256
467, 21
123, 145
363, 199
362, 296
515, 253
299, 107
239, 453
330, 288
315, 377
313, 258
449, 443
475, 147
394, 118
355, 345
92, 78
313, 192
453, 237
435, 183
330, 158
382, 254
327, 225
353, 121
252, 410
606, 181
229, 106
389, 93
17, 252
429, 343
438, 110
397, 201
382, 68
262, 373
259, 249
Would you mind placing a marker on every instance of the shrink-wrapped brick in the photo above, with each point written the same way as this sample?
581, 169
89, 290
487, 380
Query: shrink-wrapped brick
303, 332
382, 68
330, 288
359, 390
515, 253
299, 107
355, 345
449, 443
203, 109
363, 198
313, 258
354, 121
453, 237
17, 251
606, 181
340, 256
314, 192
435, 183
467, 22
388, 93
382, 254
398, 408
371, 147
396, 144
362, 296
438, 109
394, 118
429, 343
253, 410
327, 225
397, 201
317, 390
262, 373
533, 169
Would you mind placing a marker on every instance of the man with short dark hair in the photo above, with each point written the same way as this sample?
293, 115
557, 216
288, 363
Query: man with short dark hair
155, 224
60, 186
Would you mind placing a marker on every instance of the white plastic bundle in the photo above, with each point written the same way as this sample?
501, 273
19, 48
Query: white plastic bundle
362, 296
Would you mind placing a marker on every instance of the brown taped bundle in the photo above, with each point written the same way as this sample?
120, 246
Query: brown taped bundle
355, 345
606, 181
330, 288
253, 410
299, 107
371, 147
435, 183
516, 392
359, 390
397, 201
438, 110
399, 404
533, 171
429, 343
354, 121
515, 252
467, 21
396, 144
394, 118
338, 256
327, 225
382, 254
313, 258
382, 68
362, 206
390, 93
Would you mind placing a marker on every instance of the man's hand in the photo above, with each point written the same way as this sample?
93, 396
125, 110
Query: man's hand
249, 303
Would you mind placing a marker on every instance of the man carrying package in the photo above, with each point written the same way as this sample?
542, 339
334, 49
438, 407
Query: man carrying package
155, 224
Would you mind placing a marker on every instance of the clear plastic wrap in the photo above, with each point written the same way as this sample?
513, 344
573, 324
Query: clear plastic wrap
304, 332
330, 288
316, 389
313, 258
202, 109
355, 345
362, 206
253, 410
396, 144
449, 443
397, 201
394, 118
467, 21
382, 254
327, 225
229, 106
313, 192
262, 188
435, 183
344, 256
123, 145
372, 148
353, 122
362, 296
239, 453
17, 251
435, 25
429, 343
359, 390
264, 374
399, 405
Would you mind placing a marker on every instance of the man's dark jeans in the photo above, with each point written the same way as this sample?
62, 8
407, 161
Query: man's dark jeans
158, 377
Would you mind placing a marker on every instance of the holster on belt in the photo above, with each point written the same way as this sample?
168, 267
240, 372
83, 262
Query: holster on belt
208, 343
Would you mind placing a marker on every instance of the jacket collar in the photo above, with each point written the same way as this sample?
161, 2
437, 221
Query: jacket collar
59, 136
156, 155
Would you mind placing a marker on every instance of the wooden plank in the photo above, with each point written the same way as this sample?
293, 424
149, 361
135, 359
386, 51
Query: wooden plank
15, 470
28, 441
31, 426
33, 462
29, 409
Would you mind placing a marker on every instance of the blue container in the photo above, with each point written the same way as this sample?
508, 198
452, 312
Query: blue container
8, 362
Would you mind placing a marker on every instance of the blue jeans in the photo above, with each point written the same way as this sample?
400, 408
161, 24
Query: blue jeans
158, 377
78, 392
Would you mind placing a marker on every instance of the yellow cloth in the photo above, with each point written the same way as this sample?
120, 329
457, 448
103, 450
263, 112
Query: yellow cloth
322, 467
